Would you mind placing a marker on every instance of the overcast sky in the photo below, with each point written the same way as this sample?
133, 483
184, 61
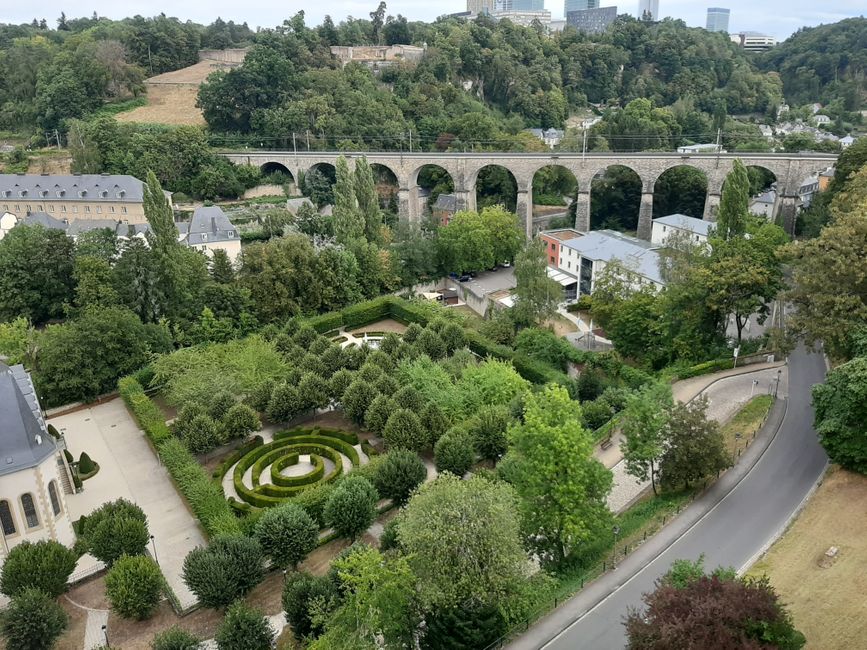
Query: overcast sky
775, 17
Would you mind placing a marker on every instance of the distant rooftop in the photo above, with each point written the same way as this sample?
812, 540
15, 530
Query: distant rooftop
24, 438
636, 255
563, 234
210, 224
73, 187
683, 222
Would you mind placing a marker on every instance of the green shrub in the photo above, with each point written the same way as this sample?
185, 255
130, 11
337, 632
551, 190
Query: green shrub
68, 456
455, 452
378, 413
306, 599
404, 431
45, 565
287, 534
315, 475
114, 529
202, 434
244, 628
488, 430
220, 404
351, 508
224, 571
398, 474
86, 467
175, 638
53, 432
133, 587
357, 398
234, 457
32, 621
389, 538
365, 313
326, 322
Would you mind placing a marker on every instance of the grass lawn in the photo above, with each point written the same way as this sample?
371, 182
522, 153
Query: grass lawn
828, 604
562, 326
746, 422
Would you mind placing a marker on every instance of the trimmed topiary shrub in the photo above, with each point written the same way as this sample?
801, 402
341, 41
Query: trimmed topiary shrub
175, 638
404, 431
86, 467
357, 398
133, 587
351, 508
224, 571
45, 565
115, 529
434, 422
488, 430
300, 591
287, 534
244, 628
378, 413
455, 452
398, 474
313, 500
32, 621
202, 434
220, 404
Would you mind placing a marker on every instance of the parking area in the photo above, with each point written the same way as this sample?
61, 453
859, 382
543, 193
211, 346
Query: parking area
487, 282
129, 468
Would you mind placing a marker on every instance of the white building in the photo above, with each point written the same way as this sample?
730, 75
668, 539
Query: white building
847, 142
809, 188
821, 119
587, 256
7, 222
763, 204
696, 229
524, 18
34, 475
210, 230
754, 41
701, 148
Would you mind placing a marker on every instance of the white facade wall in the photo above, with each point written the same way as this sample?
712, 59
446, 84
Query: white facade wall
661, 232
232, 248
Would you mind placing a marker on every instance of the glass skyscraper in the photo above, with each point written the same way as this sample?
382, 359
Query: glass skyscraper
521, 5
579, 5
718, 19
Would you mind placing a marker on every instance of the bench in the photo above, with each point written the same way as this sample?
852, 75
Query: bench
606, 444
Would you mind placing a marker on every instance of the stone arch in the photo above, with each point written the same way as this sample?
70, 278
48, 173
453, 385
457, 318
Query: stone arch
426, 184
680, 189
616, 195
765, 192
552, 186
317, 183
272, 166
387, 188
495, 184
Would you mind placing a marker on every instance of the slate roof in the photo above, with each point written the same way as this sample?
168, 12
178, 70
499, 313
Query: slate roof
446, 203
44, 220
74, 187
24, 438
636, 255
765, 197
210, 224
683, 222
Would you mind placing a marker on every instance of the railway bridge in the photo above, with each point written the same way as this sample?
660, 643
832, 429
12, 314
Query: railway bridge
790, 171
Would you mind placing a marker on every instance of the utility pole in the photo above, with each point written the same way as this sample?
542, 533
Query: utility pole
410, 140
294, 148
308, 139
584, 144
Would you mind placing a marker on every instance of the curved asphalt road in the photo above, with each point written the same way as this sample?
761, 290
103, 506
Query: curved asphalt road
732, 533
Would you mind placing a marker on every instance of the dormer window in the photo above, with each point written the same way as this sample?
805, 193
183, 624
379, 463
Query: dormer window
22, 193
104, 194
121, 194
82, 193
61, 193
231, 233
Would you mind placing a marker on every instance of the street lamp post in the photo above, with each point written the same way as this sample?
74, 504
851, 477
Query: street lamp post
616, 530
753, 388
154, 545
105, 634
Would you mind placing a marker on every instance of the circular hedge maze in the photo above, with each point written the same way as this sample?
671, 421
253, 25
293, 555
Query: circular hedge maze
265, 475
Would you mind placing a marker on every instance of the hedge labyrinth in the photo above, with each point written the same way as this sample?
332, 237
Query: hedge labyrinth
264, 474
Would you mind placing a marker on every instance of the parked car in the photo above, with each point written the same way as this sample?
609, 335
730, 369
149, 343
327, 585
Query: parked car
465, 278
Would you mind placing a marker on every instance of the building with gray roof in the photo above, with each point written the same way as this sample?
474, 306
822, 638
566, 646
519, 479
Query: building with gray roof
74, 196
697, 230
210, 230
34, 475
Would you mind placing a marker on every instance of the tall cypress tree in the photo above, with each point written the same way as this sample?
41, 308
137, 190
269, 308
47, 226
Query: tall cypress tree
735, 203
348, 222
368, 200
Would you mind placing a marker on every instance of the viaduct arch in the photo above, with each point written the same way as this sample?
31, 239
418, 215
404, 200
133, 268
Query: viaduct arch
790, 170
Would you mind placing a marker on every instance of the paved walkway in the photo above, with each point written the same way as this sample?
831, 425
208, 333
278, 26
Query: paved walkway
727, 392
129, 468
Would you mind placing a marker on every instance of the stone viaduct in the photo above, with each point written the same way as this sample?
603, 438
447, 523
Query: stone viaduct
790, 171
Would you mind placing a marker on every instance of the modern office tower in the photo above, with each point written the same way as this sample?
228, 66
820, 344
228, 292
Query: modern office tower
579, 5
718, 19
480, 6
592, 21
648, 10
521, 5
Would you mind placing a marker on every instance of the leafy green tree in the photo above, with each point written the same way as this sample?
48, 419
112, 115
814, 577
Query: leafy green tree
244, 627
536, 294
488, 429
841, 414
462, 541
398, 474
285, 403
455, 452
357, 398
378, 412
287, 534
240, 421
224, 571
313, 390
489, 384
430, 343
644, 423
734, 204
349, 223
175, 638
463, 628
351, 508
696, 448
94, 283
403, 430
221, 267
45, 565
115, 529
465, 243
434, 422
562, 488
36, 273
368, 199
133, 587
307, 599
202, 435
380, 607
33, 621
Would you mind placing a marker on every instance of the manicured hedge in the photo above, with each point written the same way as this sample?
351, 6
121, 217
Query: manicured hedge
234, 457
311, 477
325, 323
704, 368
342, 442
205, 498
367, 312
271, 457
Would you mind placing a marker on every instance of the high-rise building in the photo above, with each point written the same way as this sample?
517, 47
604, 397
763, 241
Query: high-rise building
520, 5
480, 6
648, 10
579, 5
718, 19
592, 21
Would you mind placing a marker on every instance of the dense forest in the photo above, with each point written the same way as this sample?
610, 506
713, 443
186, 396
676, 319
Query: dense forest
479, 84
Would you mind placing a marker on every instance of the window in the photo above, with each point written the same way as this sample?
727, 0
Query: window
55, 500
99, 209
51, 208
6, 518
87, 208
123, 209
75, 209
63, 208
111, 209
30, 514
